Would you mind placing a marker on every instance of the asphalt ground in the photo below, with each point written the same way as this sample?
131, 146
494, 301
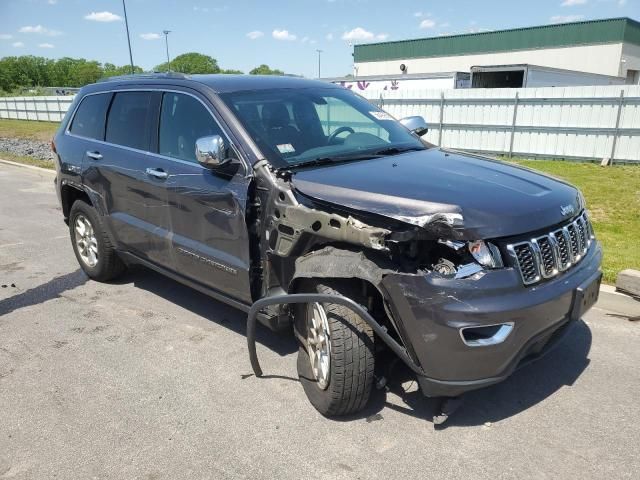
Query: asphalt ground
145, 378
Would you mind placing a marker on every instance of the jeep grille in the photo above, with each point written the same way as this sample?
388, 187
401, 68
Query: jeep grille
547, 255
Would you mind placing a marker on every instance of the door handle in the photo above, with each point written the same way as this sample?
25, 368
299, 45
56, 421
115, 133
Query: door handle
94, 155
157, 172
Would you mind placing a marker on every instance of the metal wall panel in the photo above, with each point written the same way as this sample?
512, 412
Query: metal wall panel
51, 109
592, 32
567, 122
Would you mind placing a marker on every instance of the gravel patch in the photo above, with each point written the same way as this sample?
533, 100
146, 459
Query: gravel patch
27, 148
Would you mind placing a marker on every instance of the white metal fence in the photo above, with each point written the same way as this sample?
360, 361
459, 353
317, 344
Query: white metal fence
50, 109
569, 122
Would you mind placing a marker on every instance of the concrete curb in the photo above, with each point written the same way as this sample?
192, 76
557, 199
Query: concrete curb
31, 167
618, 302
628, 281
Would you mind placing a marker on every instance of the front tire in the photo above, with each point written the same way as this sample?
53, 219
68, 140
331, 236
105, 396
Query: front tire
336, 361
91, 245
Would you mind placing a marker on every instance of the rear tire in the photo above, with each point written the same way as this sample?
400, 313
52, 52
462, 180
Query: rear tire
91, 244
346, 387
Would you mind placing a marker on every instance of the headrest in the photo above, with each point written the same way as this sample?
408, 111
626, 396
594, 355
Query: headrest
275, 115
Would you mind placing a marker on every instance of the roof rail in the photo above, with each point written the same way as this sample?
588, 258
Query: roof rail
142, 76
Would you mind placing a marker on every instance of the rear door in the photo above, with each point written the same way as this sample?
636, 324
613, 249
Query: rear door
128, 177
87, 129
208, 226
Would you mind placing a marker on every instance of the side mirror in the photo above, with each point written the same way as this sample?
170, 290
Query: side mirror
211, 151
416, 125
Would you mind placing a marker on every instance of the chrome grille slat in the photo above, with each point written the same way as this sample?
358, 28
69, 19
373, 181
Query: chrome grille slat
564, 255
548, 264
547, 255
574, 242
529, 266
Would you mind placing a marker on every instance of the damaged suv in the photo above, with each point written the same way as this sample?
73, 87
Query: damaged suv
259, 189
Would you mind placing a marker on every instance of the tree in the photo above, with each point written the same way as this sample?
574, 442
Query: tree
190, 63
110, 70
232, 72
265, 70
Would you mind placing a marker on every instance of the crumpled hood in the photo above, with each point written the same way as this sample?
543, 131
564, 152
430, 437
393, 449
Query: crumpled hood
479, 198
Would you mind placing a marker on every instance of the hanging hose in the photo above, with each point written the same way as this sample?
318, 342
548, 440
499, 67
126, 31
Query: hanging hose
379, 330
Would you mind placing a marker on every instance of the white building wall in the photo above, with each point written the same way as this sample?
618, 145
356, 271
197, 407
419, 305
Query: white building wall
601, 59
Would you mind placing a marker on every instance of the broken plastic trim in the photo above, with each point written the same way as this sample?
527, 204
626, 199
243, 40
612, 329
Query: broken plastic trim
319, 297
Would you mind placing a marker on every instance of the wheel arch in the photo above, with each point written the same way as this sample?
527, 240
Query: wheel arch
332, 264
69, 193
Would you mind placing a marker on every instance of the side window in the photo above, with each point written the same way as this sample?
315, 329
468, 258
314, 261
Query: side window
183, 120
130, 120
89, 119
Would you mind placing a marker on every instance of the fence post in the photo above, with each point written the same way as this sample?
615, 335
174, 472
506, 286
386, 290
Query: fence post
441, 118
59, 107
617, 129
516, 101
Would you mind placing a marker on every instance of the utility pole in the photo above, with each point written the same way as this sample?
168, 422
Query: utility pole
166, 42
126, 24
319, 53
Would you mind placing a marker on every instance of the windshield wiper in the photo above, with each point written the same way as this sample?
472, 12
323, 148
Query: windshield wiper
396, 150
385, 152
327, 160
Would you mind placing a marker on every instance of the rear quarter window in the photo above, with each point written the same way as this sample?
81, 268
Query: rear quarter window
131, 120
89, 120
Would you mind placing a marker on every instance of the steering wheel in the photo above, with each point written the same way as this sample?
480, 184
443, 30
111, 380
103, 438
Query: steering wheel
338, 131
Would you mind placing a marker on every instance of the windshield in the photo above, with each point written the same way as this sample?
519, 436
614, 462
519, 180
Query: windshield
296, 126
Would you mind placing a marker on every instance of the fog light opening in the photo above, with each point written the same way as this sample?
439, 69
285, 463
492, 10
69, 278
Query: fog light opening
486, 335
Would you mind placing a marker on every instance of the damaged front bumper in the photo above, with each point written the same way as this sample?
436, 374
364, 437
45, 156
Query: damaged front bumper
438, 317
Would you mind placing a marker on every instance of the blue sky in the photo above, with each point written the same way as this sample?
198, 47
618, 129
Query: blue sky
285, 34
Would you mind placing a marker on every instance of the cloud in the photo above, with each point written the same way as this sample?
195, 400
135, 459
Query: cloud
427, 23
150, 36
103, 17
571, 3
329, 36
5, 36
283, 35
304, 39
566, 18
382, 36
622, 3
254, 35
52, 2
45, 45
40, 30
417, 14
358, 33
17, 44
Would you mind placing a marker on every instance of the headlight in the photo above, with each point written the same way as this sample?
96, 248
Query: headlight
486, 254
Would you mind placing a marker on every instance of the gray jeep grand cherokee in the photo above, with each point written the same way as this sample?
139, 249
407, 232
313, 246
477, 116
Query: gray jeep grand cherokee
256, 190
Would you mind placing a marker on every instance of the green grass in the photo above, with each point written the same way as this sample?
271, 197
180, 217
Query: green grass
613, 199
36, 162
29, 129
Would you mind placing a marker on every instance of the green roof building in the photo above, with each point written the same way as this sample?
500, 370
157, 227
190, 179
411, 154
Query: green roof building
606, 47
